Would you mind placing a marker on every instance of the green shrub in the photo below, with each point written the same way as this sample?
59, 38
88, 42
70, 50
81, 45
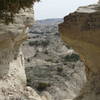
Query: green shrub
72, 58
39, 43
8, 8
32, 43
59, 69
42, 86
28, 59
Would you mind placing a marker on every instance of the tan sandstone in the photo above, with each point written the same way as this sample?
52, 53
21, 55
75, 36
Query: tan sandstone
81, 30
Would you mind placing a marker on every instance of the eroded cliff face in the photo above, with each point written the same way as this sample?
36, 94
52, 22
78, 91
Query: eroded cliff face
12, 73
81, 30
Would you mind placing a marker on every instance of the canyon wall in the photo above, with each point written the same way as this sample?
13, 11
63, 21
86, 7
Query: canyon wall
12, 73
81, 30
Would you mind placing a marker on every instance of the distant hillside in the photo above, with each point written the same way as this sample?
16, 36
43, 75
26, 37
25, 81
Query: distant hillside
50, 21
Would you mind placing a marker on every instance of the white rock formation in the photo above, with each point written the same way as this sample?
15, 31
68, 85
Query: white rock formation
12, 73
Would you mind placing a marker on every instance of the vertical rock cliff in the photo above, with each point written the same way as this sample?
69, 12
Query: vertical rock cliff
12, 73
81, 30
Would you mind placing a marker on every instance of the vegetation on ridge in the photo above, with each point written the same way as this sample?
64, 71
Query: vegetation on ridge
8, 8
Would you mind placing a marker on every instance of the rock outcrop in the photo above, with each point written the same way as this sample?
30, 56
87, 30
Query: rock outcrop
81, 30
12, 73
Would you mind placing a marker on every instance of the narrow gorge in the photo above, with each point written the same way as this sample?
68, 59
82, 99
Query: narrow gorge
48, 68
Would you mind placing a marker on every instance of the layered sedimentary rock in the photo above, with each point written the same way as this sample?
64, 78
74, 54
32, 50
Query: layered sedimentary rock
81, 30
12, 73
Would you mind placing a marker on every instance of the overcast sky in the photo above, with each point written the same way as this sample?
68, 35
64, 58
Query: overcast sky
58, 8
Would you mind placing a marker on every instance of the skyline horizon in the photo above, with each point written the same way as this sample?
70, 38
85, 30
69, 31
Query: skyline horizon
60, 10
50, 18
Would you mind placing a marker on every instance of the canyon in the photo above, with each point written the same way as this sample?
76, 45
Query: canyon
52, 68
80, 30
